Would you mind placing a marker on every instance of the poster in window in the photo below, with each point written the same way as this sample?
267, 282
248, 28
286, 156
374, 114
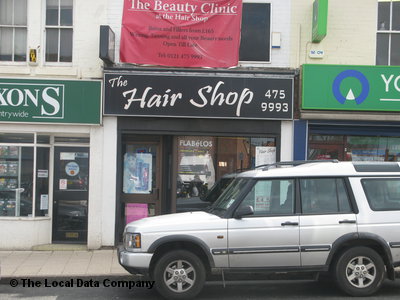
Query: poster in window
265, 155
181, 33
135, 211
138, 170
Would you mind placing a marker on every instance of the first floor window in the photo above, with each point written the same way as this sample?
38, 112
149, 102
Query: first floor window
59, 31
388, 35
13, 30
256, 32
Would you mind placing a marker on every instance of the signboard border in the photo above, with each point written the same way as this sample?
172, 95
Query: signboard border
290, 77
59, 81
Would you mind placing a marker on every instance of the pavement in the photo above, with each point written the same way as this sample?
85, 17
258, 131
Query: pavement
60, 263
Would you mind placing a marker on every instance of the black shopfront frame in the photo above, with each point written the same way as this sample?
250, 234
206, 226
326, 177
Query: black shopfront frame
165, 125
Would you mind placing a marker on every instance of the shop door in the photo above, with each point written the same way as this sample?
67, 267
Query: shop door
141, 183
71, 188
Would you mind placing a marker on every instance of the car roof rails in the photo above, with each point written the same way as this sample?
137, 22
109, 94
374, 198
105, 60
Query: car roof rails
294, 163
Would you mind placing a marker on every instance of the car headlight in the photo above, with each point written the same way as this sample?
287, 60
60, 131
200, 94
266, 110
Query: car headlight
132, 241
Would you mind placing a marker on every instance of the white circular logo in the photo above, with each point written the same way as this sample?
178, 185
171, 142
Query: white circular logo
72, 169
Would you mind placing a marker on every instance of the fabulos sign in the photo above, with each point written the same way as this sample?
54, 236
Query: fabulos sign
235, 96
50, 101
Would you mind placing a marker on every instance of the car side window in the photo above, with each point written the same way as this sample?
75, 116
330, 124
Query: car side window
271, 197
324, 195
382, 193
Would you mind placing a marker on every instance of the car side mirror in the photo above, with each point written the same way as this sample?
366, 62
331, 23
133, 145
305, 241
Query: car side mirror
243, 211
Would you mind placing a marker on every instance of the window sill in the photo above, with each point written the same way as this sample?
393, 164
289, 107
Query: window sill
15, 69
58, 70
2, 218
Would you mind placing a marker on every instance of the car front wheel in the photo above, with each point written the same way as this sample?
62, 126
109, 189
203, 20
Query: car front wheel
179, 275
360, 271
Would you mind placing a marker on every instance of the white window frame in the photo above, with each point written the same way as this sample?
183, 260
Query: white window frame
59, 27
12, 62
390, 32
247, 63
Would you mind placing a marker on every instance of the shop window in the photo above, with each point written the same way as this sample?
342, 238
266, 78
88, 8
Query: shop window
42, 182
71, 140
59, 30
141, 182
256, 32
16, 137
13, 30
354, 148
388, 35
206, 165
24, 191
16, 177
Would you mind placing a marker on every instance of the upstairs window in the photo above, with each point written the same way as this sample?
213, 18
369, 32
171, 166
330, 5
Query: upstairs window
388, 35
13, 30
255, 42
59, 31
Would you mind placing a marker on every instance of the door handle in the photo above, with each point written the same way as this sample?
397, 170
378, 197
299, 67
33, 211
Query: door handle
347, 222
290, 224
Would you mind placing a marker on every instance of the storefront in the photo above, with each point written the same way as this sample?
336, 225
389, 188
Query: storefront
45, 131
349, 113
180, 132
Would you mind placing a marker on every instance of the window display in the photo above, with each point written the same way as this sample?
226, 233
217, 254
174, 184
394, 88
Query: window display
16, 165
354, 148
207, 164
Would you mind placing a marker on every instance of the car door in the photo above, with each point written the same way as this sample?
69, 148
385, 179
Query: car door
327, 215
270, 236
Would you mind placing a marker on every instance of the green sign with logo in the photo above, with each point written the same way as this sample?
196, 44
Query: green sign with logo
50, 101
320, 20
346, 87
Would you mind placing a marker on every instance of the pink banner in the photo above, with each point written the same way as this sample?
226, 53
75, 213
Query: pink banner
181, 33
135, 211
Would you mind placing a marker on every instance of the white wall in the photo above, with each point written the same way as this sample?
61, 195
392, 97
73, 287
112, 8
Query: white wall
88, 16
23, 233
351, 33
286, 140
103, 174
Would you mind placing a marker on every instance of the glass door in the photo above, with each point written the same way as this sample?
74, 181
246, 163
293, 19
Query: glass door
141, 178
71, 189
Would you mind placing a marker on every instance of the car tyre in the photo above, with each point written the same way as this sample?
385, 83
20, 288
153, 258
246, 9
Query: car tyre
359, 271
179, 275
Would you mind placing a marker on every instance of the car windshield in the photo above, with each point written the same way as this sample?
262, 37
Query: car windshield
229, 196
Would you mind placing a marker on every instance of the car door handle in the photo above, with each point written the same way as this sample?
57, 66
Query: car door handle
347, 222
290, 224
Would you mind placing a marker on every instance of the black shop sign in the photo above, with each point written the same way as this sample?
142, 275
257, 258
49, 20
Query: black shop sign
238, 96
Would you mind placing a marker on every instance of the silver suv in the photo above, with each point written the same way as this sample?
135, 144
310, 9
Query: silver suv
336, 217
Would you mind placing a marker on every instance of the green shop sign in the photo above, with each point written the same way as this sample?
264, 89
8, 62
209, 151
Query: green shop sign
320, 20
345, 87
50, 101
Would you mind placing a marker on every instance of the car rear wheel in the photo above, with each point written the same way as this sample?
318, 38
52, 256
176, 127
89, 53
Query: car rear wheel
360, 271
179, 275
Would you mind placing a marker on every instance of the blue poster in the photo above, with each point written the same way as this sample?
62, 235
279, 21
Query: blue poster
138, 169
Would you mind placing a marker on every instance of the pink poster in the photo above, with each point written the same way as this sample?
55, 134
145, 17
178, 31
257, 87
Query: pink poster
135, 211
181, 33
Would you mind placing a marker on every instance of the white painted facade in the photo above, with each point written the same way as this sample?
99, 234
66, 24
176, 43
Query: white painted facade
22, 233
351, 33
